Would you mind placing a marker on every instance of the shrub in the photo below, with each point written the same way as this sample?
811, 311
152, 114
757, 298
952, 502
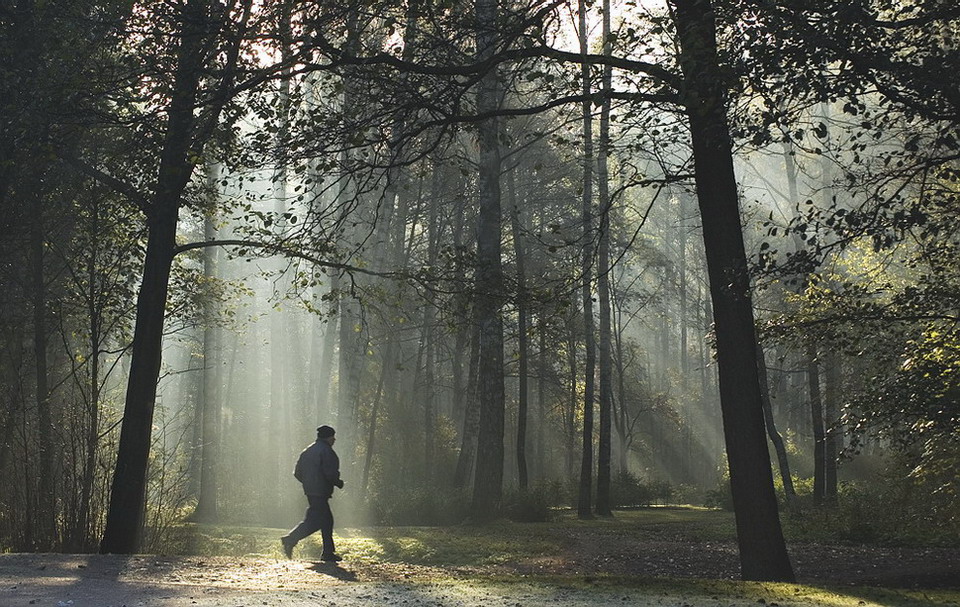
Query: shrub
894, 508
629, 491
689, 494
528, 506
419, 506
720, 496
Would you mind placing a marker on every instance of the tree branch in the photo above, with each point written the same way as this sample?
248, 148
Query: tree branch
118, 185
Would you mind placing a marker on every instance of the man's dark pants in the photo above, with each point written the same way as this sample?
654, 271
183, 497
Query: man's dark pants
318, 517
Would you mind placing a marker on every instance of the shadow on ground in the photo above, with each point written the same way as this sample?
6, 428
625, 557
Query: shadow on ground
333, 570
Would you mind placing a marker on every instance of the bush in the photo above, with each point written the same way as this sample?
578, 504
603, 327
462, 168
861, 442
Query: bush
419, 506
557, 494
720, 496
895, 508
691, 495
529, 506
629, 491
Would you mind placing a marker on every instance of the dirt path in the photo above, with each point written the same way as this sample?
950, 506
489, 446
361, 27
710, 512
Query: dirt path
113, 581
54, 580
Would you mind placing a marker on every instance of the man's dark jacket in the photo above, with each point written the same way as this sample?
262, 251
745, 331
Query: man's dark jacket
318, 468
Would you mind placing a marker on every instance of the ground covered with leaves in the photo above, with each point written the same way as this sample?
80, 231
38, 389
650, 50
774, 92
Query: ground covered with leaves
649, 557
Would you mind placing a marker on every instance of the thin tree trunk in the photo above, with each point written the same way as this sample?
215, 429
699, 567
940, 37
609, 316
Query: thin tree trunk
620, 411
832, 438
585, 495
522, 329
210, 403
324, 379
91, 442
542, 369
682, 321
386, 367
429, 338
471, 416
816, 417
573, 397
352, 353
832, 360
273, 500
772, 432
604, 507
429, 397
488, 480
763, 554
46, 504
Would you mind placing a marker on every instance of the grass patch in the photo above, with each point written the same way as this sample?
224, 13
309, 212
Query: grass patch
461, 545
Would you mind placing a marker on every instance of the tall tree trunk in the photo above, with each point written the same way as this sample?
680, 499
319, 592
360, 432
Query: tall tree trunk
210, 403
831, 358
522, 329
274, 500
46, 504
816, 417
488, 480
429, 337
124, 525
604, 507
350, 367
585, 495
763, 554
352, 353
82, 533
324, 330
429, 394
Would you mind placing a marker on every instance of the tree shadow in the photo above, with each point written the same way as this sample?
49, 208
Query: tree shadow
333, 570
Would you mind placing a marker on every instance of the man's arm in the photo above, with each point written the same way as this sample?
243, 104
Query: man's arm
298, 469
331, 469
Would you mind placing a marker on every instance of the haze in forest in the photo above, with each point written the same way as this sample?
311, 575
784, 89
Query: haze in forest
524, 257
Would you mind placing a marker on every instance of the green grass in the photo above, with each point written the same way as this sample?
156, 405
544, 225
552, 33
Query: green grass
501, 541
466, 546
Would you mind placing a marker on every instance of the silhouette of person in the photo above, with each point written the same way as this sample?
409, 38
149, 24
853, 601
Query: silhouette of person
318, 470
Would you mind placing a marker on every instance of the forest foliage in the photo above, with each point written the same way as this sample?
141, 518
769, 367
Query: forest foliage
228, 222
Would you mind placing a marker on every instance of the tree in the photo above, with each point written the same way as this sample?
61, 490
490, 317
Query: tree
523, 328
210, 403
763, 554
585, 495
603, 281
488, 480
200, 25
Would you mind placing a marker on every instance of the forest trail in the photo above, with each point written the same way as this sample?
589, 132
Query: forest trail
55, 580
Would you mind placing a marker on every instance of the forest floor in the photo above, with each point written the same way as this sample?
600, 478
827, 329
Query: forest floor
667, 558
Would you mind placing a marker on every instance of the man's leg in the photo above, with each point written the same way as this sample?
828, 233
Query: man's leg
312, 521
326, 529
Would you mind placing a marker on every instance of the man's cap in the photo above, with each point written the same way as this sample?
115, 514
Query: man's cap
325, 432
